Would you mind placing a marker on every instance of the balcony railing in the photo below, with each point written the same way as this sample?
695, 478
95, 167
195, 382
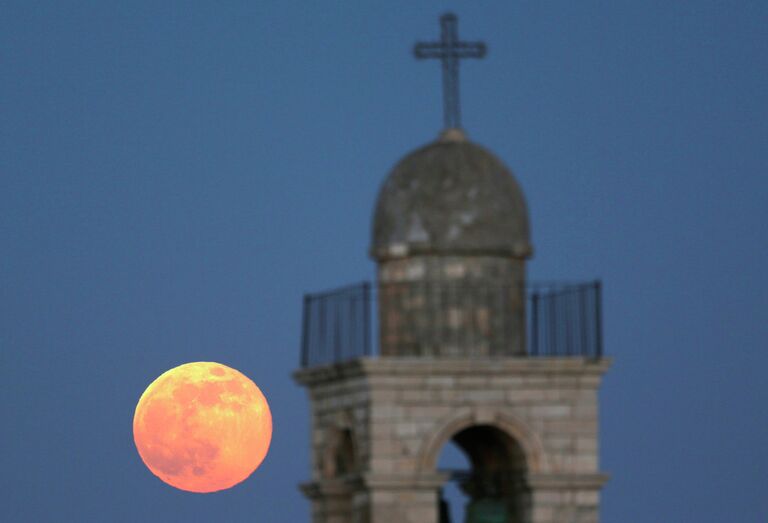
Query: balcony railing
540, 320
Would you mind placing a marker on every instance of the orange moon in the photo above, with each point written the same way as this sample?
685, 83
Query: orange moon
202, 427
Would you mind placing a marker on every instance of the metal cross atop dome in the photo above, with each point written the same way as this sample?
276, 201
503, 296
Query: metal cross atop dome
450, 50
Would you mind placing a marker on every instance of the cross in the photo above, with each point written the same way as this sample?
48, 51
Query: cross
450, 50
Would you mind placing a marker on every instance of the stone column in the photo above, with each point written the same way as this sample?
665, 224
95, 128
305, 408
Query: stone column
566, 498
403, 498
331, 501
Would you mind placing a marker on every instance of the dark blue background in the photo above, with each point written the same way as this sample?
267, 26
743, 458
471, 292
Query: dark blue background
174, 175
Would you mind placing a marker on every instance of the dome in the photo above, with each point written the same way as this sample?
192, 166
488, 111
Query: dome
450, 197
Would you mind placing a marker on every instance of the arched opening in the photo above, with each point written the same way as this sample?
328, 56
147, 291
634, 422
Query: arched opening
345, 461
453, 500
488, 478
340, 460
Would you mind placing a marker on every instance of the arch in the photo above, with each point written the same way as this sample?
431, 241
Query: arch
468, 417
339, 457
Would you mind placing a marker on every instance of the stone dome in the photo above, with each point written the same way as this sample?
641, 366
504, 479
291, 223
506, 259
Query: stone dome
450, 197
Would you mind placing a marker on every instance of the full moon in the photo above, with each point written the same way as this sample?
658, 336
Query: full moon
202, 427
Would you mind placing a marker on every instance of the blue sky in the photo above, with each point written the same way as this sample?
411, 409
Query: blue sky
173, 176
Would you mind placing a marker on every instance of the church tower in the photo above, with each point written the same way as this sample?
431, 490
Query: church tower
452, 343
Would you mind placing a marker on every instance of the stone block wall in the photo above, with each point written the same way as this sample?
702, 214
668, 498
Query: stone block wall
452, 306
400, 412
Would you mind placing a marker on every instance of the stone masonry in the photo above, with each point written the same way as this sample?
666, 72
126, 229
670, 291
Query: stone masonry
455, 306
378, 426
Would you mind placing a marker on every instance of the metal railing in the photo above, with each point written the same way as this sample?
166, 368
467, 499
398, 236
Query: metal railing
336, 325
422, 319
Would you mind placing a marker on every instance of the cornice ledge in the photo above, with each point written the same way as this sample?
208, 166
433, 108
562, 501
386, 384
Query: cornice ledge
500, 365
404, 481
328, 487
567, 481
425, 366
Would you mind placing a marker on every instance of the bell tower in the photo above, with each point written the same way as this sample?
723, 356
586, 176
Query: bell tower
452, 343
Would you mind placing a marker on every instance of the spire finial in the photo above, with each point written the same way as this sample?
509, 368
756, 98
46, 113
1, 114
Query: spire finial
450, 50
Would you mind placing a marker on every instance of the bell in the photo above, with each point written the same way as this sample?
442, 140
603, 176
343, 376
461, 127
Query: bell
487, 511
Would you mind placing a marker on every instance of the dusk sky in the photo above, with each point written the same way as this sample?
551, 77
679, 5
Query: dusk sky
175, 175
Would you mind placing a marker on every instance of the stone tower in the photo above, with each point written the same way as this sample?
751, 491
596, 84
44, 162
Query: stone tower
452, 343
